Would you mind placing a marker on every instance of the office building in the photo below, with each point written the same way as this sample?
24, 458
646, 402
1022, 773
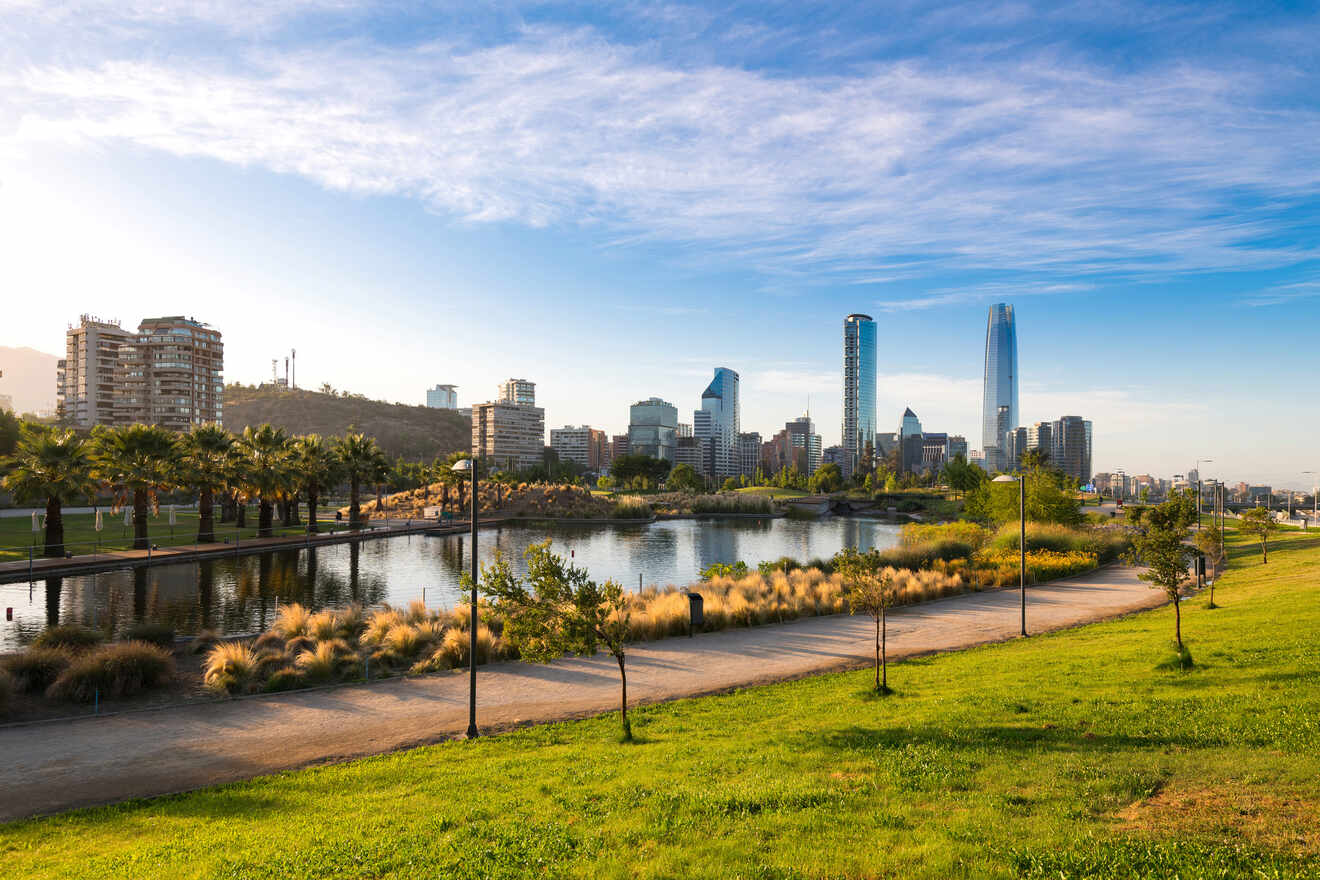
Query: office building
1041, 436
684, 430
653, 428
804, 444
957, 446
1001, 376
170, 374
519, 392
88, 388
749, 453
6, 403
859, 377
833, 455
584, 445
716, 425
910, 452
442, 397
508, 436
1070, 448
689, 451
1015, 444
934, 451
618, 446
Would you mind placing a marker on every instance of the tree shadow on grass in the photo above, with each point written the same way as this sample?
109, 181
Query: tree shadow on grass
995, 736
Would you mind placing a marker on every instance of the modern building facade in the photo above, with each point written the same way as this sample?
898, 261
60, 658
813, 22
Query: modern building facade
519, 392
957, 446
442, 397
583, 445
804, 444
749, 452
859, 378
168, 373
911, 452
508, 435
1071, 448
716, 425
688, 451
171, 374
1001, 375
88, 387
618, 446
653, 428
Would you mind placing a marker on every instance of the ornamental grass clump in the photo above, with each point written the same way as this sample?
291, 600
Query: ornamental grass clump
231, 667
292, 621
36, 669
72, 637
159, 634
118, 670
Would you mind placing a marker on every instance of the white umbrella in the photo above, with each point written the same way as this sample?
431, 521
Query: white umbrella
98, 520
171, 514
128, 516
35, 526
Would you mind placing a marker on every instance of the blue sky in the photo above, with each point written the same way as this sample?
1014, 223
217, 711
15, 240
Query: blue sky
612, 199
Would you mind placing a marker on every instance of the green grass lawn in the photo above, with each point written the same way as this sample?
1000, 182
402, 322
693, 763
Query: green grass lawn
80, 534
1063, 756
772, 492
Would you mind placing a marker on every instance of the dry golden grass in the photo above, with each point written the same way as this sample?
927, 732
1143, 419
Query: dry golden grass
230, 666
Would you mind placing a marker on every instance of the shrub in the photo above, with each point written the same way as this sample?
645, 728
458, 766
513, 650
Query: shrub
918, 556
969, 533
118, 670
203, 641
230, 667
36, 669
292, 621
72, 637
6, 691
631, 507
158, 634
321, 662
757, 504
724, 569
323, 626
285, 678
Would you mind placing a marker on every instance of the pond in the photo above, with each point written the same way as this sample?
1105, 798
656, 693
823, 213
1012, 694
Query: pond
240, 595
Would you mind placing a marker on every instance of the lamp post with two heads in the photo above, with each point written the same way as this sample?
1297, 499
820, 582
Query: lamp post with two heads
460, 467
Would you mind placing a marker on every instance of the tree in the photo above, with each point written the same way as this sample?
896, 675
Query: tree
136, 462
730, 484
362, 460
52, 466
559, 610
630, 467
1208, 541
1034, 459
961, 476
267, 449
1259, 522
871, 591
206, 454
11, 429
317, 468
1048, 499
1159, 545
827, 478
683, 479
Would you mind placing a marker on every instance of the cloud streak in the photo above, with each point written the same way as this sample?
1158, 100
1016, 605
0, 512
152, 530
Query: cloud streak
886, 171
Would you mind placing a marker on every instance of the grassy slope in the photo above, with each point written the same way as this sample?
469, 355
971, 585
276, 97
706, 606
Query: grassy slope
415, 432
1022, 759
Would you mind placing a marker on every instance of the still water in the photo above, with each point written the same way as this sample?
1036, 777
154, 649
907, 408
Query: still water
240, 595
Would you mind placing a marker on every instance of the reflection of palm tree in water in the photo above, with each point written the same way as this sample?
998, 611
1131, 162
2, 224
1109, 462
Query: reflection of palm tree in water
354, 554
54, 592
139, 594
205, 590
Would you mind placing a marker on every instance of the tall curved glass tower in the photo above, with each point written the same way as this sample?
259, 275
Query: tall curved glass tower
859, 425
716, 425
1001, 374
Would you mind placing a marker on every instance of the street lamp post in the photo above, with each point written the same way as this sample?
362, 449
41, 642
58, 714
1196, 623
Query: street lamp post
1315, 502
460, 467
1021, 480
1199, 462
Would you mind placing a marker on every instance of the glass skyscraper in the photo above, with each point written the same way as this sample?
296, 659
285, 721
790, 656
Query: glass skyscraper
859, 425
653, 428
1001, 375
716, 424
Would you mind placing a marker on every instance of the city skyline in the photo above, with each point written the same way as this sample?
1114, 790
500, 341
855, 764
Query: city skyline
1141, 183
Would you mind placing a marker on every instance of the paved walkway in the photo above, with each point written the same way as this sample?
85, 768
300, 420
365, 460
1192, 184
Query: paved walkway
58, 765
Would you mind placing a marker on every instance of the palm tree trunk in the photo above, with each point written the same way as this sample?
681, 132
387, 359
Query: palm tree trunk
54, 528
286, 512
206, 516
312, 526
264, 511
354, 508
140, 539
623, 697
240, 513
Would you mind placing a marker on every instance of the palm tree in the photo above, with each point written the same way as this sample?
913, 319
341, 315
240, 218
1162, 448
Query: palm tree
362, 460
207, 467
52, 466
137, 461
317, 468
267, 450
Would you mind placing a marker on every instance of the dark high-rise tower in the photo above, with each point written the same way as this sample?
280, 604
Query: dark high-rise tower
1001, 375
859, 362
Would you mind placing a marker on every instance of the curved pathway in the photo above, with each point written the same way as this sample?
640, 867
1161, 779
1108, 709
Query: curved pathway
57, 765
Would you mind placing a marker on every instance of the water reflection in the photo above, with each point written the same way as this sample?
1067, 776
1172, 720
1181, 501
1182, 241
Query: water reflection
241, 594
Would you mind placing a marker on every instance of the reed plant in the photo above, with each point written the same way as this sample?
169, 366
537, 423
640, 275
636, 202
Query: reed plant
230, 667
631, 507
36, 669
70, 636
292, 621
116, 670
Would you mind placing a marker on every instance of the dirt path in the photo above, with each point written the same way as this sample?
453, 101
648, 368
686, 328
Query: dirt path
53, 766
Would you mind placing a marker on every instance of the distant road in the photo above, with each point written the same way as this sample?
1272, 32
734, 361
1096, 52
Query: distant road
57, 765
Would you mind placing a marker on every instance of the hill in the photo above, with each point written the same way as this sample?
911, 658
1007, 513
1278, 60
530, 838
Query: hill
29, 378
414, 432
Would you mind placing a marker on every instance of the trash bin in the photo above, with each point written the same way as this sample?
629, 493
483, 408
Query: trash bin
695, 619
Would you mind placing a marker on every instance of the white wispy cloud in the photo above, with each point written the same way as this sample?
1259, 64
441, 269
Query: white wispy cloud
886, 171
1281, 294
